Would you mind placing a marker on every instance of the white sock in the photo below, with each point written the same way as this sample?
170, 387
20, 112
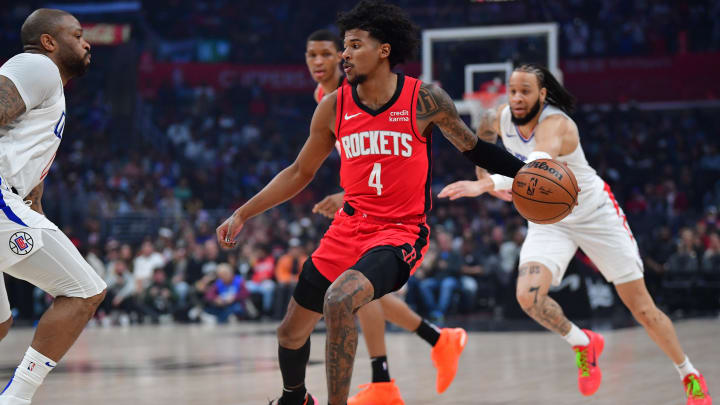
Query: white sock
29, 375
576, 337
686, 368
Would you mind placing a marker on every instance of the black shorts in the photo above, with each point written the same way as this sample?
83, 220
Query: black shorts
383, 266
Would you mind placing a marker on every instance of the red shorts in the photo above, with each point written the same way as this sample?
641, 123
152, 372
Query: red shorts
351, 236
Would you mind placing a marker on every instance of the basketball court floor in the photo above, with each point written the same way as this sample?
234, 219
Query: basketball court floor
236, 364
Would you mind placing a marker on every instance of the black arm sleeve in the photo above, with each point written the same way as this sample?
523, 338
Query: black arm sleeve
493, 158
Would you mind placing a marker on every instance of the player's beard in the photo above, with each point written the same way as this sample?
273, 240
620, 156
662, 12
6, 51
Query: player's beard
75, 65
528, 117
357, 80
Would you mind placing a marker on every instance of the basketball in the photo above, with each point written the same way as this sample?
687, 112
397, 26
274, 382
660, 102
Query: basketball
545, 191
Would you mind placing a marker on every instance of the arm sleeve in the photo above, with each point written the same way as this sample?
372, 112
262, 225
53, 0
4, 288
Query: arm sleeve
35, 76
494, 159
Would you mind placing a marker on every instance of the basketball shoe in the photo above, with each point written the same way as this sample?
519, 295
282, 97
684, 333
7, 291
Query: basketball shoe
385, 393
586, 358
696, 390
309, 400
446, 354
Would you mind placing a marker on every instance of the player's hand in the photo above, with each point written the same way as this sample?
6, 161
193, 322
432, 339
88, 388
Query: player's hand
505, 195
466, 188
228, 231
329, 205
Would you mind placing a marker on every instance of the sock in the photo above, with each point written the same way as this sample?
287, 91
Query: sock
576, 337
380, 371
29, 374
292, 367
686, 368
428, 332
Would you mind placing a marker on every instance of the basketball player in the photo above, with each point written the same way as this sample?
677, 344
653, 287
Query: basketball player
383, 121
323, 57
32, 119
536, 125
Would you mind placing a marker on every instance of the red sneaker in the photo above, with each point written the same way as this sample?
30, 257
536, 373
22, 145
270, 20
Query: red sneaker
586, 358
446, 354
379, 393
696, 390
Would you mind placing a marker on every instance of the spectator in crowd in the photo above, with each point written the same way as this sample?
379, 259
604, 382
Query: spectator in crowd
438, 288
145, 263
226, 295
287, 271
685, 259
261, 279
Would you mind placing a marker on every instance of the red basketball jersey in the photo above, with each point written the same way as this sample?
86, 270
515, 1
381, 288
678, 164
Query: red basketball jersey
385, 163
319, 93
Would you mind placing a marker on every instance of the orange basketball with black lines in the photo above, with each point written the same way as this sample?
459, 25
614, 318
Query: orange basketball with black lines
545, 191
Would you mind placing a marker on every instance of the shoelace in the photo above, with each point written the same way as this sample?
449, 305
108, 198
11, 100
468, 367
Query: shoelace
581, 361
693, 388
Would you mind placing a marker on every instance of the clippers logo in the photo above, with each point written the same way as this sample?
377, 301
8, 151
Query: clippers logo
21, 243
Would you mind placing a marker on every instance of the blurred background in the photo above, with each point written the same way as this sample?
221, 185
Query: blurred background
190, 108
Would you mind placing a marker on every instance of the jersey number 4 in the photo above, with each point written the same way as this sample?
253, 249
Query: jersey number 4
374, 180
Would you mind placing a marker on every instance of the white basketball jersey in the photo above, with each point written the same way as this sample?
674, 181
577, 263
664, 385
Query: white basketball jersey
28, 144
591, 185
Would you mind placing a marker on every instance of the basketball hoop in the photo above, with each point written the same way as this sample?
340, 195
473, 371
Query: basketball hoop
479, 101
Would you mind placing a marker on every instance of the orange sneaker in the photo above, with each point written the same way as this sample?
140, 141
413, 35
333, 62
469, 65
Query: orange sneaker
446, 354
309, 400
586, 358
379, 393
696, 390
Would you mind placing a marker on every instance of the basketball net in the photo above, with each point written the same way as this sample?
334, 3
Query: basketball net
491, 95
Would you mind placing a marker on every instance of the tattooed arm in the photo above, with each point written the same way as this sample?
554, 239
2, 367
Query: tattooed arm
436, 107
35, 197
11, 104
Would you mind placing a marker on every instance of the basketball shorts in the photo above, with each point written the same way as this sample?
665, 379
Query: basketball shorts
43, 255
385, 251
603, 234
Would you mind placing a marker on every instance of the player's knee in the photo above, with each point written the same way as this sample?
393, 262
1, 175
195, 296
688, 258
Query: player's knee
646, 314
89, 305
336, 301
526, 299
5, 327
95, 301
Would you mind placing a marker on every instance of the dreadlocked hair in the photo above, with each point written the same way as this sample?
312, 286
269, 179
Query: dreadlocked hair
385, 22
557, 95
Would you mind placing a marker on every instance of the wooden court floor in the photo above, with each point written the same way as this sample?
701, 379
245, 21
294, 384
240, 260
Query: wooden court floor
236, 364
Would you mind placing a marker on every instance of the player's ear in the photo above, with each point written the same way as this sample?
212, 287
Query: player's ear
384, 50
543, 94
48, 42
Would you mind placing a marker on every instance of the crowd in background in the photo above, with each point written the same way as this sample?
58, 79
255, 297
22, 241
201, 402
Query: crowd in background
207, 30
141, 193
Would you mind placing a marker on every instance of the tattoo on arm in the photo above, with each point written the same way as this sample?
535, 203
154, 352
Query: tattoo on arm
11, 104
435, 105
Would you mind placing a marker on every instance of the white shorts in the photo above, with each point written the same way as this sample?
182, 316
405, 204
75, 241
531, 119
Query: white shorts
40, 254
603, 235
